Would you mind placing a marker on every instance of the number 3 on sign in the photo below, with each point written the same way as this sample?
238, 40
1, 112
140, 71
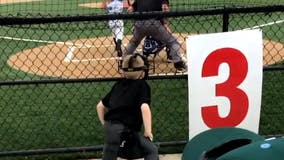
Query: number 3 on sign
224, 80
238, 65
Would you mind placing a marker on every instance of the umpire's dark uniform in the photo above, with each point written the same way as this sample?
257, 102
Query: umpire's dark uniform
123, 103
153, 27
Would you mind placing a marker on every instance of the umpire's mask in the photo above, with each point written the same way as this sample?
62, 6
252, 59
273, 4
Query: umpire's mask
134, 65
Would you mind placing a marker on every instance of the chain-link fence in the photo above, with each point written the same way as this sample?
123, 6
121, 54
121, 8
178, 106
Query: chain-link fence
55, 69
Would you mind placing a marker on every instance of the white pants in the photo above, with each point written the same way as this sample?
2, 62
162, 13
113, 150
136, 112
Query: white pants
117, 28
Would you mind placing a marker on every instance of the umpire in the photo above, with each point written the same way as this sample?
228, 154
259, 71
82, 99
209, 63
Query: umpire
156, 28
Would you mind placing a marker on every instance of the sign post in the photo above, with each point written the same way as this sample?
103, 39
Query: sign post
225, 80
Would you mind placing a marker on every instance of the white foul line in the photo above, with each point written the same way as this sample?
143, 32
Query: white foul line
73, 46
266, 24
78, 45
107, 45
94, 59
69, 54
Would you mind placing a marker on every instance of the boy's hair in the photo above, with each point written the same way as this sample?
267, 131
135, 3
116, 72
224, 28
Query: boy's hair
133, 65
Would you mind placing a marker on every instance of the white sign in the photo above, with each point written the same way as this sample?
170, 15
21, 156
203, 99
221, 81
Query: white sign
225, 80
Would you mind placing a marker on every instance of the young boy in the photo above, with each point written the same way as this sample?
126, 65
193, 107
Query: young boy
127, 106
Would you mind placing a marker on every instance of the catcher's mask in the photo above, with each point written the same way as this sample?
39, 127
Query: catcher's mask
132, 66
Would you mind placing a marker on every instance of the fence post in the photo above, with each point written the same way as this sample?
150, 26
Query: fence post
225, 22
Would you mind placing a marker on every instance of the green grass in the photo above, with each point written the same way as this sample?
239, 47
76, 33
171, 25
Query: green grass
272, 104
65, 7
64, 115
47, 115
49, 7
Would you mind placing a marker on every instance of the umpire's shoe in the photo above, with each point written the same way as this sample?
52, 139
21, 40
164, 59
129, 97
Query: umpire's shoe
180, 66
169, 57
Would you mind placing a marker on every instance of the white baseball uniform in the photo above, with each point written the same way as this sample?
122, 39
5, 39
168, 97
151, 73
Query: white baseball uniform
116, 26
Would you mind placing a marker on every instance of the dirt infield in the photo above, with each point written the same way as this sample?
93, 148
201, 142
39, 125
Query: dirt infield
95, 57
17, 1
79, 58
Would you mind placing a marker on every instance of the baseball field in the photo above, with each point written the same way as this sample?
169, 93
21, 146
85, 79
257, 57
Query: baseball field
36, 115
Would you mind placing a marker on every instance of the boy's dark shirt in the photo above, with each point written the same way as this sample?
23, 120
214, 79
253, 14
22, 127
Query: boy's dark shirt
124, 102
